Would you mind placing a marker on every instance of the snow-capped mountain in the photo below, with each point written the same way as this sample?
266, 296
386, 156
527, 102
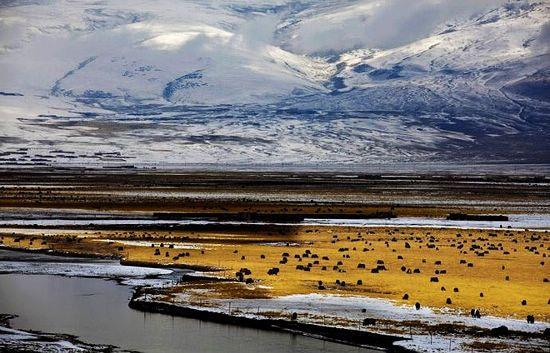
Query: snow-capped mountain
280, 81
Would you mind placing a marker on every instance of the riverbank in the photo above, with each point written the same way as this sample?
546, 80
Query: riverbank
149, 278
359, 321
353, 320
329, 333
20, 341
96, 311
492, 270
415, 254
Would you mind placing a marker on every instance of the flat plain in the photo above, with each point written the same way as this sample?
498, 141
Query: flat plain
279, 235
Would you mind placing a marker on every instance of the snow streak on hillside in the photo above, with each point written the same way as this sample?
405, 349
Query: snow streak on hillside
269, 82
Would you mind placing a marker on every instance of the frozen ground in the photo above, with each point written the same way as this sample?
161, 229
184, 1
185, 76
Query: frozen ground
418, 327
12, 340
101, 270
39, 264
350, 307
517, 221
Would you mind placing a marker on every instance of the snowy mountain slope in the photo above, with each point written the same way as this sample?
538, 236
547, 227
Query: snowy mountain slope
248, 82
469, 73
467, 67
112, 53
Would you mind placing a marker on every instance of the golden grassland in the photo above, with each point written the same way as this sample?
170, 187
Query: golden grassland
493, 270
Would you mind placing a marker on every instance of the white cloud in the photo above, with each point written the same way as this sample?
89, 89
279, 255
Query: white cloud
175, 40
381, 24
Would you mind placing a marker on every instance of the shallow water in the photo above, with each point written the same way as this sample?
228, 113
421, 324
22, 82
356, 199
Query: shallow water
535, 221
97, 311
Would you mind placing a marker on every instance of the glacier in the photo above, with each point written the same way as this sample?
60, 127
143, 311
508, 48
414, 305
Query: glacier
274, 83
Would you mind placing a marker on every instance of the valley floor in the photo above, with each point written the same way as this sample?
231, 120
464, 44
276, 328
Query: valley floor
262, 250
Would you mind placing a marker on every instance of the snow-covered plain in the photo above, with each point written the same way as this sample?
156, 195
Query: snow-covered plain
34, 342
517, 221
417, 327
277, 82
43, 264
350, 307
102, 270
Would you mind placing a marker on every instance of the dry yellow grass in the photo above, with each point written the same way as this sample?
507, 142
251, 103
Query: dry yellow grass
518, 255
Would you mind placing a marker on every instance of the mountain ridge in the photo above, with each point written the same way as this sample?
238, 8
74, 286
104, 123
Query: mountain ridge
246, 82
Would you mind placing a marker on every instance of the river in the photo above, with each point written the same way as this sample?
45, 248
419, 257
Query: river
96, 310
